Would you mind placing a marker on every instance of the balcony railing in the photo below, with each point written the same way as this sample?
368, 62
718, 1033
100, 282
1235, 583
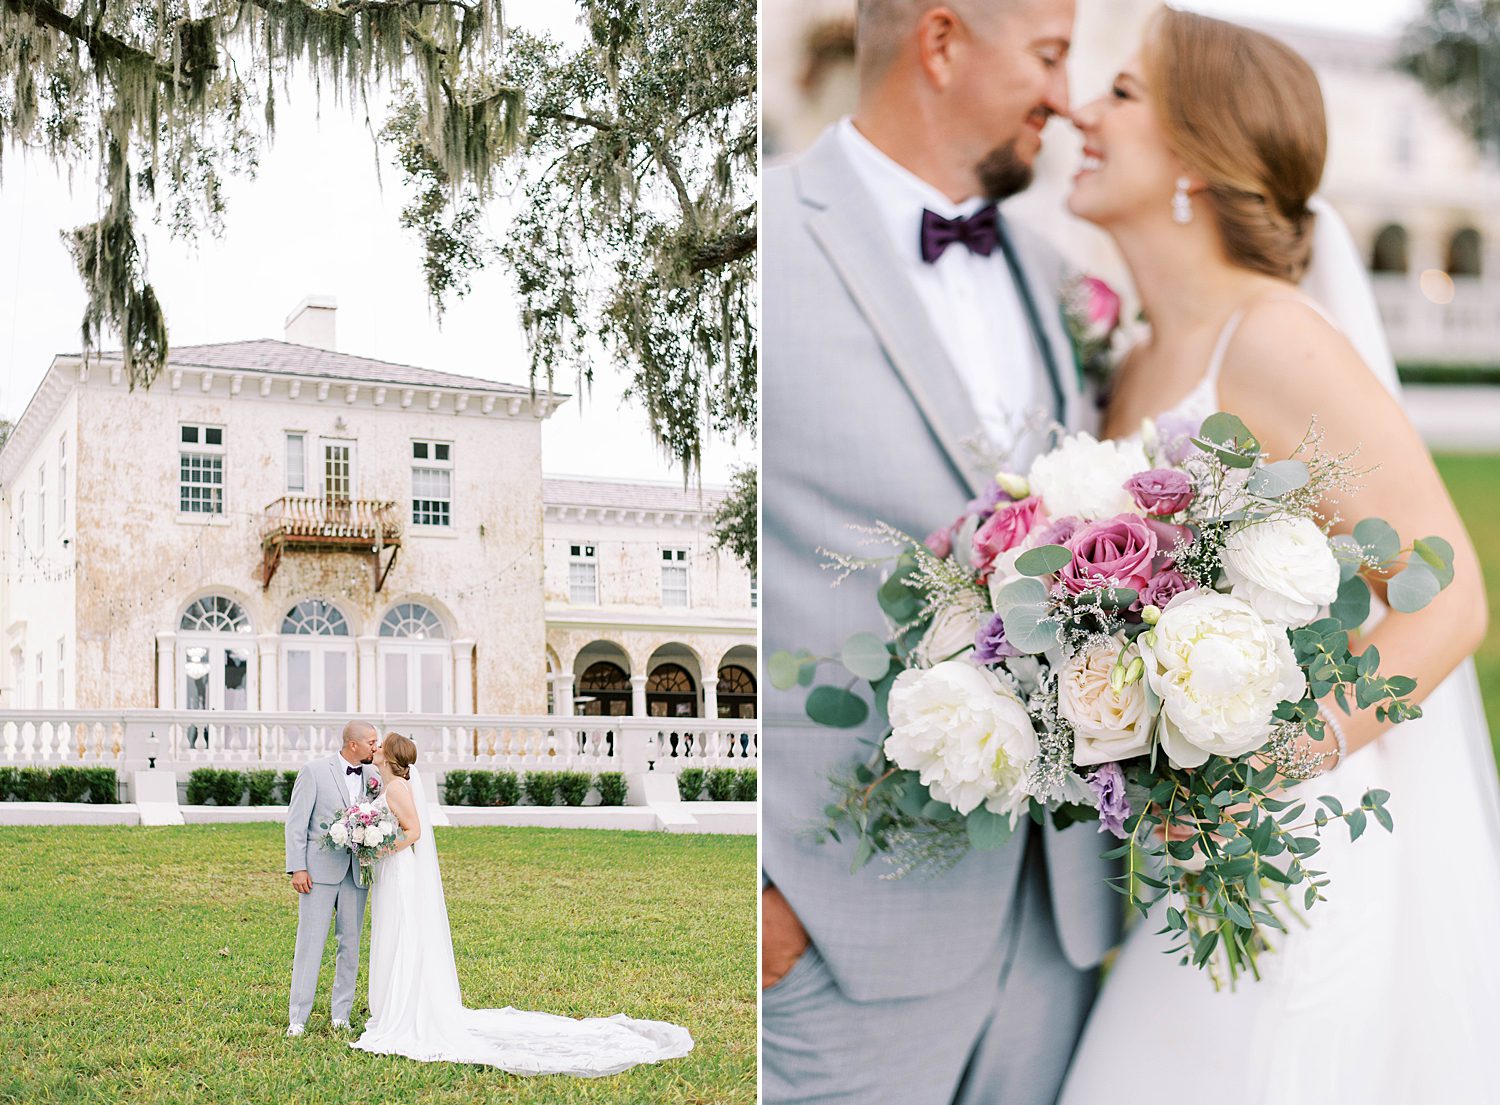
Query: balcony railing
186, 739
313, 522
1463, 331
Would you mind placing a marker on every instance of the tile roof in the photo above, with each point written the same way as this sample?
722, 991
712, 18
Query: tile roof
629, 495
267, 355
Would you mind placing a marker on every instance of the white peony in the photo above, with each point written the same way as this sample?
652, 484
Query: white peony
967, 736
1284, 568
1219, 669
1107, 724
952, 631
1086, 478
339, 833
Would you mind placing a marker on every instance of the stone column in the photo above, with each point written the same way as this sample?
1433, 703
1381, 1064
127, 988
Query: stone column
268, 690
638, 695
166, 671
367, 683
463, 676
562, 693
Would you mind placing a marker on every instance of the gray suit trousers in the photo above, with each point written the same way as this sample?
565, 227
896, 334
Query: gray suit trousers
343, 903
1004, 1037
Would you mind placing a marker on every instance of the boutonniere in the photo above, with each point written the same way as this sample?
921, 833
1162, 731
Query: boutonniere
1091, 309
372, 785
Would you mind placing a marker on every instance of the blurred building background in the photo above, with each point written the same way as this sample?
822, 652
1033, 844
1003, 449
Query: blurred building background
1419, 198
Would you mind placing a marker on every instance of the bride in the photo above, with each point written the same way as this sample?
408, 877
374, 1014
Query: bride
1201, 163
416, 1010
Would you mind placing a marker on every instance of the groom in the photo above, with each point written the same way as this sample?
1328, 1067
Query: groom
327, 882
911, 337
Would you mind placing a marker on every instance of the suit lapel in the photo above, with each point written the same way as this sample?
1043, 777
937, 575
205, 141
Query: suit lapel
336, 765
847, 229
1046, 313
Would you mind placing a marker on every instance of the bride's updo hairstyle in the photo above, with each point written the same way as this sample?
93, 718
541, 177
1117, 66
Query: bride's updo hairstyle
400, 754
1244, 112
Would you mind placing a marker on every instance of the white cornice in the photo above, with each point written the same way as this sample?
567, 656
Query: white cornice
45, 402
689, 621
624, 515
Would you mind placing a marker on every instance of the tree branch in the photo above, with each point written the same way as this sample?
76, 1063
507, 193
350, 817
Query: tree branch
100, 43
723, 250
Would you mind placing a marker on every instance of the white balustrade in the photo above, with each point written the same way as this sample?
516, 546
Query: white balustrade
186, 739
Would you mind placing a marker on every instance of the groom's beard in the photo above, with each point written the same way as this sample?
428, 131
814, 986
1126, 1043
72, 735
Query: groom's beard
1003, 174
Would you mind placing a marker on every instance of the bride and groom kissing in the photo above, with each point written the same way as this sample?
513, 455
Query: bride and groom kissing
913, 336
415, 1004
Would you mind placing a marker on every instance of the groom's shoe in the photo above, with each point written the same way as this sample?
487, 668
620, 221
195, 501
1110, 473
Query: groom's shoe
341, 1026
295, 1029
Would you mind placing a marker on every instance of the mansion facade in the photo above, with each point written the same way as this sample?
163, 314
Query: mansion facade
275, 526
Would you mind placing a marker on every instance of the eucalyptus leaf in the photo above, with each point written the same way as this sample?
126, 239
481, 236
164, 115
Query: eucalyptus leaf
1438, 555
1412, 588
1352, 606
1028, 629
866, 656
987, 830
784, 670
1020, 592
1350, 554
1044, 560
836, 707
1280, 478
1378, 539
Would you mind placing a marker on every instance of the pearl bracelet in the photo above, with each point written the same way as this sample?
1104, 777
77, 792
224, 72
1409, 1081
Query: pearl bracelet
1331, 723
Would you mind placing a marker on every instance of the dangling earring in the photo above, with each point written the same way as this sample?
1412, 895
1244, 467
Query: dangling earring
1182, 204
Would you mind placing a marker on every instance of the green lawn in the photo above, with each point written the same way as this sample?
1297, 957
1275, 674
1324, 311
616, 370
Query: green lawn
151, 965
1474, 482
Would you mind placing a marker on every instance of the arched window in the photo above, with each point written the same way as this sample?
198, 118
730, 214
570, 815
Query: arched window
411, 619
416, 661
317, 663
214, 614
606, 688
316, 618
214, 662
1390, 250
1464, 253
736, 692
671, 692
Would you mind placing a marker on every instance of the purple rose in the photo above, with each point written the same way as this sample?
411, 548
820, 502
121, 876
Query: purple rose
988, 499
1059, 531
1163, 588
1168, 534
1108, 784
1117, 552
1160, 491
1174, 434
1004, 530
990, 644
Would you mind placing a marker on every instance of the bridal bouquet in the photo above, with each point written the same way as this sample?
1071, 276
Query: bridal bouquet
1143, 632
364, 829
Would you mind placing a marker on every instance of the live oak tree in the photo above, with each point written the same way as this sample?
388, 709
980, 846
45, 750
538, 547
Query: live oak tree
1454, 50
736, 521
633, 233
166, 99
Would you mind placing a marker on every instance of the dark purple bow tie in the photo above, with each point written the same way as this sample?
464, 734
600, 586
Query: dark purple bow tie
351, 771
980, 232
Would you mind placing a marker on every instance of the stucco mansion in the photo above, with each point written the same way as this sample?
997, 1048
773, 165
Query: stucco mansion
276, 526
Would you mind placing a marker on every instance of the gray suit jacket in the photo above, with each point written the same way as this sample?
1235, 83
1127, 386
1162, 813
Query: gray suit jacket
317, 796
866, 419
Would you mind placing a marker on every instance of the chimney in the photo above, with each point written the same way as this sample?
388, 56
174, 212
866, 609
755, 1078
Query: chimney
312, 322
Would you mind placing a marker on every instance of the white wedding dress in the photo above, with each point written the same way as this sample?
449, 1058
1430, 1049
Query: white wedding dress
416, 1009
1391, 995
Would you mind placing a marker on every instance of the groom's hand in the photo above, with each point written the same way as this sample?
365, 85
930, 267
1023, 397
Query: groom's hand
782, 937
301, 882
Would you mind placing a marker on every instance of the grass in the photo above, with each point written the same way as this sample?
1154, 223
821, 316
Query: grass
1474, 482
152, 965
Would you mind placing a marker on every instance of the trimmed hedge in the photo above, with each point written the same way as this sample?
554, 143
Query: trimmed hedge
541, 788
487, 788
284, 790
211, 785
746, 785
722, 783
262, 787
612, 788
573, 786
690, 783
456, 788
91, 785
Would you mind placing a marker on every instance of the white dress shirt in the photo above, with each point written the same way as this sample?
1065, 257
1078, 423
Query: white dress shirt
352, 783
972, 301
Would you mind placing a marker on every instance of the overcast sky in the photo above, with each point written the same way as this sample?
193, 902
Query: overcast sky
315, 220
1356, 15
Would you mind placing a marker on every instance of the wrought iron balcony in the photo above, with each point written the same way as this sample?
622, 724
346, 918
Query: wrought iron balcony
313, 523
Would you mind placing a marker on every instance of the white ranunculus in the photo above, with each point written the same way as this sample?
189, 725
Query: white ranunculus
952, 631
1284, 568
1086, 478
1220, 669
339, 833
967, 736
1107, 724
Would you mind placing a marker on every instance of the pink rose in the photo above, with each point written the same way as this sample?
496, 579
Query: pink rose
1004, 530
1059, 531
1103, 307
1116, 552
1163, 588
940, 543
1160, 491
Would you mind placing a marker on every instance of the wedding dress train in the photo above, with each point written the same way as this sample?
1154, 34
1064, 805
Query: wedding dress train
417, 1011
1389, 995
